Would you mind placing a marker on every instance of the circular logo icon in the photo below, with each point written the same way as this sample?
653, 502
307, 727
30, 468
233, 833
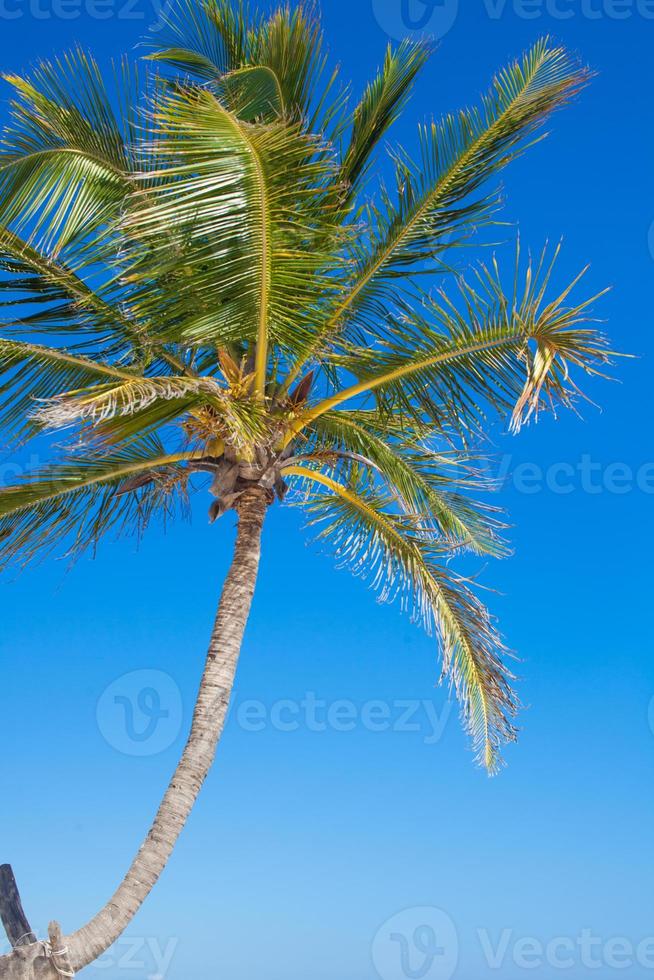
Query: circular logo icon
417, 944
415, 18
141, 713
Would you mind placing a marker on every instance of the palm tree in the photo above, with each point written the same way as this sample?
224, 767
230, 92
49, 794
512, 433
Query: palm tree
205, 288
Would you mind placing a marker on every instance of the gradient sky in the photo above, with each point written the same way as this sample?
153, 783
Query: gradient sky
309, 839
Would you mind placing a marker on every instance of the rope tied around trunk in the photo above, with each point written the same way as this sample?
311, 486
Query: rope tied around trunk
52, 954
52, 950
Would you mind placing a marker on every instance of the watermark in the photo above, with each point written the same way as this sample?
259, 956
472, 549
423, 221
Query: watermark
14, 470
417, 944
435, 18
423, 944
141, 713
150, 12
148, 957
313, 714
650, 240
582, 951
416, 18
562, 477
585, 475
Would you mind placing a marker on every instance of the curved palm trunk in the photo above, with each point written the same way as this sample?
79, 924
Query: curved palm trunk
89, 942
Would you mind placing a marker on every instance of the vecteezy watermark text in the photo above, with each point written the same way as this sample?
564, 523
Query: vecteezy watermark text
147, 956
313, 714
435, 18
567, 476
149, 12
422, 943
585, 475
585, 950
417, 944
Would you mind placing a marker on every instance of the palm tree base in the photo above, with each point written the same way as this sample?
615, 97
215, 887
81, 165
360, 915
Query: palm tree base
30, 958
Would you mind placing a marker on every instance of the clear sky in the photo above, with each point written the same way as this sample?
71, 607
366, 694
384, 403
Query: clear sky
344, 794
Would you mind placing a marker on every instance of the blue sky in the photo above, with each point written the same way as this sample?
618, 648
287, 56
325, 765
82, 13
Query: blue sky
344, 794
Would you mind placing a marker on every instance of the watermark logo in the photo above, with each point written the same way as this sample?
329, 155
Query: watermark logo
416, 18
140, 714
417, 944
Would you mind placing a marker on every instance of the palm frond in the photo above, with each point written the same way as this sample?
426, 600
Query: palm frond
253, 94
401, 563
246, 206
74, 503
431, 487
206, 39
100, 402
66, 303
219, 39
381, 105
61, 303
290, 43
458, 155
64, 159
452, 362
138, 406
31, 373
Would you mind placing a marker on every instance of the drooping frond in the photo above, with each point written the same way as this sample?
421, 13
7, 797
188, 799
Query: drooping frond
401, 563
433, 487
100, 402
124, 410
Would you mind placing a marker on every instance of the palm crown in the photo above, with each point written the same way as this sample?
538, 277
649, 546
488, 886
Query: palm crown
219, 287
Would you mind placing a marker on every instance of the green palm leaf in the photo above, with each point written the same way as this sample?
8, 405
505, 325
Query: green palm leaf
78, 501
32, 373
220, 38
427, 484
453, 363
246, 207
392, 554
381, 105
458, 155
64, 160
